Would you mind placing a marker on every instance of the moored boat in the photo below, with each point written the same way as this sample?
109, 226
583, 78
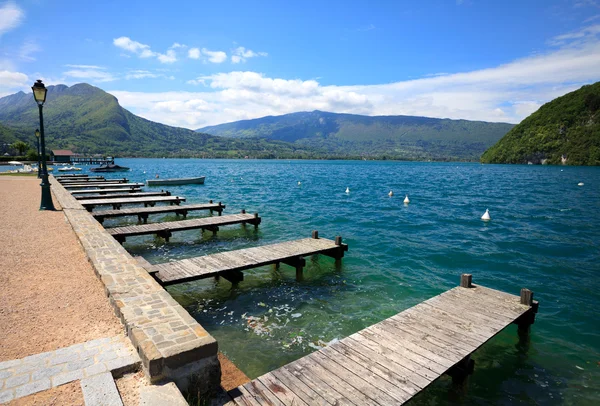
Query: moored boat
175, 181
110, 168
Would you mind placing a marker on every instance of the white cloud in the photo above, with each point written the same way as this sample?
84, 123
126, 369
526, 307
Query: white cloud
169, 57
144, 51
11, 16
241, 54
145, 74
215, 56
507, 92
194, 53
84, 66
11, 82
27, 50
93, 74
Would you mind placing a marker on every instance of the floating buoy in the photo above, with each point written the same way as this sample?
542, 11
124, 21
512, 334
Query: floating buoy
486, 215
580, 184
299, 183
406, 200
347, 190
391, 194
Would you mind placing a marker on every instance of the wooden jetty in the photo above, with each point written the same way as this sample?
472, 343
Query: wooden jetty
77, 181
123, 194
74, 176
390, 362
118, 202
104, 191
166, 229
231, 264
143, 212
102, 186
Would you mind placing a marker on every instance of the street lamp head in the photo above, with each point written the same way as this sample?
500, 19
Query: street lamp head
39, 92
37, 133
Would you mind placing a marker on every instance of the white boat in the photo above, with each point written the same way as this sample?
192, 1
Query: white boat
175, 181
69, 169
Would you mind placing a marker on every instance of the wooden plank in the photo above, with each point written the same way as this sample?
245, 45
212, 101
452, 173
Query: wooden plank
129, 194
327, 385
132, 200
102, 186
406, 390
285, 394
134, 211
359, 377
299, 388
116, 190
259, 391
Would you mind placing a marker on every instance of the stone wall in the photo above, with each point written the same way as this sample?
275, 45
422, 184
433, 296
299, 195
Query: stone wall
171, 344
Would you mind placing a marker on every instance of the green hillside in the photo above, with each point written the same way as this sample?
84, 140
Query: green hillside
396, 137
86, 119
567, 126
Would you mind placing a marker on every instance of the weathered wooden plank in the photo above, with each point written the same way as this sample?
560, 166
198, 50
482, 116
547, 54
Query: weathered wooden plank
414, 361
127, 195
359, 377
405, 389
102, 186
299, 388
285, 394
415, 373
319, 380
259, 391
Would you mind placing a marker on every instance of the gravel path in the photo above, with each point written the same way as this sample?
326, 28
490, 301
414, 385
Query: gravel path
50, 297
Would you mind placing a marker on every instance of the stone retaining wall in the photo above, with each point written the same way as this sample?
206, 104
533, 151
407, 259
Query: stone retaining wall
171, 344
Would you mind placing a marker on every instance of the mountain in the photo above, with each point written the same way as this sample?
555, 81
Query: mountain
395, 137
568, 126
86, 119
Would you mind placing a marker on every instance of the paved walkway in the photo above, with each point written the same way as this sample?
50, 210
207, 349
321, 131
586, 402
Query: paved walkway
95, 358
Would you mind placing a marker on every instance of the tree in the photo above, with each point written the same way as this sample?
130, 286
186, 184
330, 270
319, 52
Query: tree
32, 155
20, 146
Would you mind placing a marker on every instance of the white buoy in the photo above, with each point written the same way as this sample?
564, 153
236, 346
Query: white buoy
406, 200
391, 194
580, 184
347, 190
299, 183
486, 215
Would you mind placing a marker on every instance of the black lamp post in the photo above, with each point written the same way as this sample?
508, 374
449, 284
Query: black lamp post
37, 139
39, 94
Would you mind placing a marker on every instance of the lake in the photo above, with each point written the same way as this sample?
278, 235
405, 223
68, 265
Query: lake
544, 235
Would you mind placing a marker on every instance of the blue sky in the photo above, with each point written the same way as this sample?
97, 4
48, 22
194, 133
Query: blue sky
196, 63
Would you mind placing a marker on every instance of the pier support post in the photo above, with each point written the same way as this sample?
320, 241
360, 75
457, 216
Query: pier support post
527, 319
315, 234
462, 369
465, 280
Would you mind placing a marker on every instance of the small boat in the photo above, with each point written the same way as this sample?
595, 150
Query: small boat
110, 168
175, 181
69, 169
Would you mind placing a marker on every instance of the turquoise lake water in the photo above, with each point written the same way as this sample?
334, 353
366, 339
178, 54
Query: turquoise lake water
544, 235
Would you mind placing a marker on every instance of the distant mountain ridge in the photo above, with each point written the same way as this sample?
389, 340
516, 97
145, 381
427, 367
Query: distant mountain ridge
86, 119
567, 127
395, 137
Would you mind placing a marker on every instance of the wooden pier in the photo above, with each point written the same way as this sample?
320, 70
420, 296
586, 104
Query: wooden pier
390, 362
116, 203
69, 187
123, 194
166, 229
105, 191
74, 176
230, 264
83, 181
143, 212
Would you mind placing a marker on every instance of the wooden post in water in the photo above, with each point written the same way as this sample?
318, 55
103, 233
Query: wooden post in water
315, 234
526, 320
465, 280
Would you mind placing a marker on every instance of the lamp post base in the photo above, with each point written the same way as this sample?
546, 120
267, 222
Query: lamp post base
46, 203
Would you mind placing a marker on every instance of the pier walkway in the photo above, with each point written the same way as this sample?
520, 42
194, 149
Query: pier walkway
101, 186
118, 202
104, 191
84, 181
143, 212
123, 193
390, 362
166, 229
230, 264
